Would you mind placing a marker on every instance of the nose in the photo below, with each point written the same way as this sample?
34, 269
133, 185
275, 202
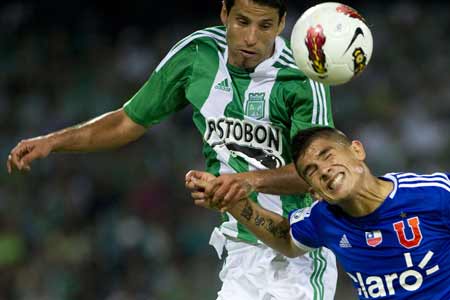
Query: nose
251, 36
325, 173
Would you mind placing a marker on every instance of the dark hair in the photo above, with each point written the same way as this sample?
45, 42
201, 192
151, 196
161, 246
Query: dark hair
305, 137
279, 4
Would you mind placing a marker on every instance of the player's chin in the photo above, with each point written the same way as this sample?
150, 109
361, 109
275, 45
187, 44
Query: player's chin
335, 197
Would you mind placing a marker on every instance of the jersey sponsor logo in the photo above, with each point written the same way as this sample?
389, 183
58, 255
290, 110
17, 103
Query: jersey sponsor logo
223, 85
374, 238
388, 284
413, 224
255, 105
248, 140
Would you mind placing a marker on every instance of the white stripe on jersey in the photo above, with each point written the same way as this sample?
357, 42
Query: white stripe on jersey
314, 92
300, 245
230, 227
417, 179
287, 64
412, 180
422, 184
392, 177
401, 175
324, 100
287, 58
319, 98
195, 35
219, 31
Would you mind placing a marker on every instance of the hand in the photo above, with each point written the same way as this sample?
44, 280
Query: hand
27, 151
227, 189
196, 182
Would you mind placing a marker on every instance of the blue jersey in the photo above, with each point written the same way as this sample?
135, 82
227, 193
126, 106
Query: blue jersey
400, 251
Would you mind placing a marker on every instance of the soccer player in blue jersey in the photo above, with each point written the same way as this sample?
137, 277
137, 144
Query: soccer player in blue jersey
390, 233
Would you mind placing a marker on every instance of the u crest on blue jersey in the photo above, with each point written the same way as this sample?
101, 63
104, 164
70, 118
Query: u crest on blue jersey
413, 224
255, 105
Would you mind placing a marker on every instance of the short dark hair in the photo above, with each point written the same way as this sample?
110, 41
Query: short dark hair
305, 137
278, 4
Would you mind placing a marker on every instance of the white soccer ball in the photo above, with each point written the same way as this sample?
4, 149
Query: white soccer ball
331, 43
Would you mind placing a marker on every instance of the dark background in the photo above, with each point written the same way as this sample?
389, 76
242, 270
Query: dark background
119, 225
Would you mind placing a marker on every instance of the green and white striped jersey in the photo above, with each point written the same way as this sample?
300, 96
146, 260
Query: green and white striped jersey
246, 118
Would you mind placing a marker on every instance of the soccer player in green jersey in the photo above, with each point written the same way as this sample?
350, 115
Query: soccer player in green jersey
248, 100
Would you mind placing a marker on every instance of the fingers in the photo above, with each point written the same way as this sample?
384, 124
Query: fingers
205, 176
191, 174
21, 157
219, 193
190, 185
14, 158
9, 164
198, 195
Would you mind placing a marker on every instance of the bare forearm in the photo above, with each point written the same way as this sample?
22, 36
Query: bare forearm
104, 132
281, 181
269, 227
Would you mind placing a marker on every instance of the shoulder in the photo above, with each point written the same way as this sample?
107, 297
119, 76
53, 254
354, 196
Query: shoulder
202, 43
308, 213
211, 37
413, 182
285, 62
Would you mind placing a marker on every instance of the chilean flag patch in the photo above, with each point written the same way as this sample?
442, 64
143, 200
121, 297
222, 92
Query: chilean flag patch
374, 238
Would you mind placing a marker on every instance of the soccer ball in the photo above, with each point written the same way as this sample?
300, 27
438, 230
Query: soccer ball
331, 43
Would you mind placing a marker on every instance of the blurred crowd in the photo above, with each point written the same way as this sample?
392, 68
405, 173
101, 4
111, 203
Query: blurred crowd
119, 225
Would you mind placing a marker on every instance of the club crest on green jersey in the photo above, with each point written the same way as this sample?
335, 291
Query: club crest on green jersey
255, 105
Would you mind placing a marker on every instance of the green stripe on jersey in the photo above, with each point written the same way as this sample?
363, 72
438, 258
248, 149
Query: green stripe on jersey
316, 279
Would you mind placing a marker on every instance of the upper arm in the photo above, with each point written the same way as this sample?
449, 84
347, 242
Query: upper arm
128, 126
164, 91
304, 233
311, 106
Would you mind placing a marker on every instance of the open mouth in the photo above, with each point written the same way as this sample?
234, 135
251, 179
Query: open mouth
336, 181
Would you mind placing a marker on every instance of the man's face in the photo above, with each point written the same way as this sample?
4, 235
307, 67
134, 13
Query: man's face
333, 169
251, 32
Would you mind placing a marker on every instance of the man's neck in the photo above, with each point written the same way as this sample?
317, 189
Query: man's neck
371, 194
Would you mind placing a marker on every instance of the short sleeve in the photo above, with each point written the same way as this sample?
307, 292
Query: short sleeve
164, 92
445, 199
311, 106
303, 231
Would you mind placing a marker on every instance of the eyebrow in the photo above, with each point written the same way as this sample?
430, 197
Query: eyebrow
321, 154
241, 15
324, 151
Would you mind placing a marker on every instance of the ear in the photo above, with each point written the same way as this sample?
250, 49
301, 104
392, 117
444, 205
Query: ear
224, 14
358, 149
282, 24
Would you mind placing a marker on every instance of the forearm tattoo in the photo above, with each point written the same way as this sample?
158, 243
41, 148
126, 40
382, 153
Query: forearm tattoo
247, 212
277, 230
259, 221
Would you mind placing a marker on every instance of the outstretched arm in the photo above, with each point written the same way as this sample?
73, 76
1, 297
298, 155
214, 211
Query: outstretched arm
227, 189
280, 181
111, 130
